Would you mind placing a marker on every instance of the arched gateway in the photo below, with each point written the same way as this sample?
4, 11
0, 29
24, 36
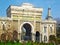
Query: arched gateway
26, 31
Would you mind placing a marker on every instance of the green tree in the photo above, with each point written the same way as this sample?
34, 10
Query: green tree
52, 39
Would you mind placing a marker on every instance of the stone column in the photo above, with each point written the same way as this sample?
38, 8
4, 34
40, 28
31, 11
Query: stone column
33, 37
40, 38
19, 37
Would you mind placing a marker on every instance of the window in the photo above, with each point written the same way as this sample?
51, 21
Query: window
3, 27
51, 29
45, 29
45, 38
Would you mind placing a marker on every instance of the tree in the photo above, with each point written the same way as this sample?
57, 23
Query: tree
58, 32
52, 38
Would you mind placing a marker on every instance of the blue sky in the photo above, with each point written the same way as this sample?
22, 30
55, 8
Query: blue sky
53, 4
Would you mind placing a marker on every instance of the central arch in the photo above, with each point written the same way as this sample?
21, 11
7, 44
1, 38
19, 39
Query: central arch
26, 30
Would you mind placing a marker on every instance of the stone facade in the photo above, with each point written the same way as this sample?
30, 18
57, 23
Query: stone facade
25, 23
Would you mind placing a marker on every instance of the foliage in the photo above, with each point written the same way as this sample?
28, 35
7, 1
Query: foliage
58, 40
24, 43
52, 38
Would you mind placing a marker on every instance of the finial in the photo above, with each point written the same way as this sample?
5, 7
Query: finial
49, 11
49, 14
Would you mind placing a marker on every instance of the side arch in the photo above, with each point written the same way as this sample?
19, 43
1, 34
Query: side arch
15, 35
37, 36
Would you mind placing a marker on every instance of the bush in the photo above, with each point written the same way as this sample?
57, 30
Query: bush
2, 43
29, 43
58, 40
24, 43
